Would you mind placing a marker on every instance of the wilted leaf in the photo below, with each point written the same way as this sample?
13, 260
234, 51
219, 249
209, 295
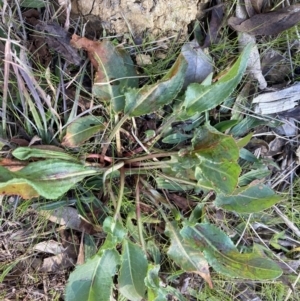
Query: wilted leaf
42, 151
56, 263
200, 65
257, 5
215, 22
50, 246
133, 272
189, 259
248, 7
271, 23
254, 66
12, 164
49, 178
58, 39
82, 129
225, 258
69, 218
275, 66
248, 199
115, 70
93, 281
278, 101
150, 98
200, 98
292, 113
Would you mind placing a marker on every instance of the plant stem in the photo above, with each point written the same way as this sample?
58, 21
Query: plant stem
138, 215
178, 180
161, 164
112, 169
120, 197
118, 138
163, 127
154, 201
113, 133
152, 156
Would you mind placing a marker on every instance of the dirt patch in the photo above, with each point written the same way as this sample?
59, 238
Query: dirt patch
156, 18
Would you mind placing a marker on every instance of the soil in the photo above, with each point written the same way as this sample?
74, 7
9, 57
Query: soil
151, 18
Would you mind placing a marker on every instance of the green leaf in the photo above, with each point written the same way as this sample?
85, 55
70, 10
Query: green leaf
176, 138
25, 153
248, 156
215, 156
115, 228
154, 251
150, 98
49, 178
225, 258
90, 247
255, 174
82, 129
93, 281
33, 3
200, 98
187, 257
133, 272
249, 123
244, 141
248, 199
115, 73
225, 125
154, 291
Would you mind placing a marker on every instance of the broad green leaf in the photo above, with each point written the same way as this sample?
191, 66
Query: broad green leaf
115, 71
225, 258
46, 152
248, 199
49, 178
214, 156
150, 98
33, 3
82, 129
93, 281
133, 272
200, 98
189, 258
222, 177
